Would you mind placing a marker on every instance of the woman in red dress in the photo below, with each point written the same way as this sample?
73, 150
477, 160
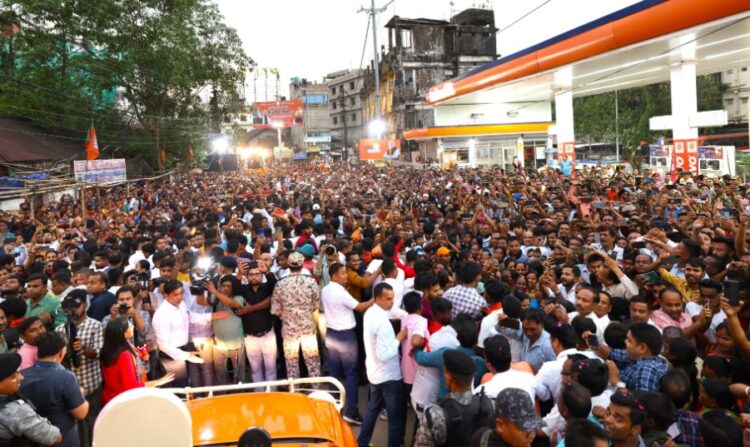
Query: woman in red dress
122, 364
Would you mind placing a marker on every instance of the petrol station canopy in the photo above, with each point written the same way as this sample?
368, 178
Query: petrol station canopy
629, 48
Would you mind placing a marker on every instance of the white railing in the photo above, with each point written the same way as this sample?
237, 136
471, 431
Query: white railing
309, 386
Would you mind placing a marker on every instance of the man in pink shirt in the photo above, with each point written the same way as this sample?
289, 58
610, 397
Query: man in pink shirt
672, 313
30, 329
416, 326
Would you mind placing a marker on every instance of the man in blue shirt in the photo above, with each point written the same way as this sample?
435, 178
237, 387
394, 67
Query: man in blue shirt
53, 390
643, 366
566, 166
537, 348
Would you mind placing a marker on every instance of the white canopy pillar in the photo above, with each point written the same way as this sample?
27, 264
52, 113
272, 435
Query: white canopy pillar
564, 125
685, 118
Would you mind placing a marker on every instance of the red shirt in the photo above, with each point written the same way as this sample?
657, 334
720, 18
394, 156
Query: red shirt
120, 377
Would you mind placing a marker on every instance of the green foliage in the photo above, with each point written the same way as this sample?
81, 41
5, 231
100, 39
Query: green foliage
595, 114
137, 69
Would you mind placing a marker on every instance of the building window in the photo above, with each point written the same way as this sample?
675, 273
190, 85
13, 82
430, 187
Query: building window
351, 85
729, 101
406, 38
744, 68
354, 115
730, 72
335, 120
334, 105
316, 99
352, 100
743, 100
333, 90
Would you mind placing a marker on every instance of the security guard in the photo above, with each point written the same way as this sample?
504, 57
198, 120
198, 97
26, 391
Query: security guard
454, 419
20, 425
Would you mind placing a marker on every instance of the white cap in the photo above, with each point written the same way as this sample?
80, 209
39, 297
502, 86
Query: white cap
316, 207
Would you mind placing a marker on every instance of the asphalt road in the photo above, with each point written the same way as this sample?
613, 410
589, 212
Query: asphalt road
380, 436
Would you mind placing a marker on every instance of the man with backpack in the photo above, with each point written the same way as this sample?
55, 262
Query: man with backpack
455, 418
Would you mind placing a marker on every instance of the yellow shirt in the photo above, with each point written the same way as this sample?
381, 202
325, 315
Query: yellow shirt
681, 284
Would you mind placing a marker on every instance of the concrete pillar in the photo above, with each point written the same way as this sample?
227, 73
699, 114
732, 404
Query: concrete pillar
566, 140
472, 153
684, 105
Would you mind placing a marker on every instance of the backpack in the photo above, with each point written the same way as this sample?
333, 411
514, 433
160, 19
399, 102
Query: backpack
463, 420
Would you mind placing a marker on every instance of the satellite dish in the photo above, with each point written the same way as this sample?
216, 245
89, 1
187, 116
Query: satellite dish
255, 437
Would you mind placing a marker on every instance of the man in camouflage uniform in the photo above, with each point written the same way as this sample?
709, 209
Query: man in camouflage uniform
295, 299
19, 422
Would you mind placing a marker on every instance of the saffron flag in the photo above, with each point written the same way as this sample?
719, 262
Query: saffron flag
190, 152
92, 147
163, 155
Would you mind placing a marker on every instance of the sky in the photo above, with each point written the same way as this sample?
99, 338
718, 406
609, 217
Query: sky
311, 38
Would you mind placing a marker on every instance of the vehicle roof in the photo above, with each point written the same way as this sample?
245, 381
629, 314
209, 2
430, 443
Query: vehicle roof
223, 419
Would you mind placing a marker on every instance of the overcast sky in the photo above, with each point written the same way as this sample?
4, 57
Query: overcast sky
311, 38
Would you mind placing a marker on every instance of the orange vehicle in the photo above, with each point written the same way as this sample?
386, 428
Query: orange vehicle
233, 415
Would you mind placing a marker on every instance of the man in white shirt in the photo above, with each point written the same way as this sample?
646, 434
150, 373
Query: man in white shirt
390, 272
564, 341
383, 369
570, 277
426, 386
341, 340
172, 329
498, 357
587, 299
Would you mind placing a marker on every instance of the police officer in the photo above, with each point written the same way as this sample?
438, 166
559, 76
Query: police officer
20, 425
454, 419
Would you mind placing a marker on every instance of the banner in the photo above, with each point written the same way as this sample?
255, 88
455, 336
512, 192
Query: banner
278, 114
100, 171
379, 149
686, 155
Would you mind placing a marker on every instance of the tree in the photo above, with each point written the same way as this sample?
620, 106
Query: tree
139, 69
595, 114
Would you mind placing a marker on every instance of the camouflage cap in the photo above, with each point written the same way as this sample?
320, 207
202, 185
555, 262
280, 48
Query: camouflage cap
296, 260
516, 405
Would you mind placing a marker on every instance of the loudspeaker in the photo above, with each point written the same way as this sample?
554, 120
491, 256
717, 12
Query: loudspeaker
230, 162
222, 162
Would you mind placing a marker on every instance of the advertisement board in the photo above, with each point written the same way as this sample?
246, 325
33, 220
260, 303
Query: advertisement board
274, 114
379, 149
686, 155
100, 171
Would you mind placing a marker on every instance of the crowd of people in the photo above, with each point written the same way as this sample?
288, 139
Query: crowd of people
505, 308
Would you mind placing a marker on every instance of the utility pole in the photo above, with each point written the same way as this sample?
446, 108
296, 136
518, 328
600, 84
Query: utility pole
373, 12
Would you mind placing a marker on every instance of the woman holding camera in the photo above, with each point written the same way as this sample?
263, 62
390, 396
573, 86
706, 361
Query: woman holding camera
122, 368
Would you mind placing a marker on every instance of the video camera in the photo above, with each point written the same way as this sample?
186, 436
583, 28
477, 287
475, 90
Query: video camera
204, 270
69, 305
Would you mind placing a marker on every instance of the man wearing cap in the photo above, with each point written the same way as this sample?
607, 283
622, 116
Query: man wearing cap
454, 420
295, 299
87, 344
19, 421
515, 424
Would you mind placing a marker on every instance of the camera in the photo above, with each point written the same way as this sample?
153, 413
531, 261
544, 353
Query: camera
142, 279
123, 309
330, 250
204, 270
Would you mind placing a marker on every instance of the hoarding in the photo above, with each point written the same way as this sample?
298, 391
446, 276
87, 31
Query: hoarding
379, 149
278, 114
100, 171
